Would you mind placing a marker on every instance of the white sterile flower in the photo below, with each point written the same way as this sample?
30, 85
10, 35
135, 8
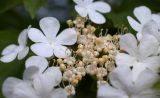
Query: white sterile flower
140, 54
144, 16
41, 86
48, 43
10, 52
92, 9
124, 87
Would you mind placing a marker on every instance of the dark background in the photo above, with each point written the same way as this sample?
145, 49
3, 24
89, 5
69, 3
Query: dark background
16, 15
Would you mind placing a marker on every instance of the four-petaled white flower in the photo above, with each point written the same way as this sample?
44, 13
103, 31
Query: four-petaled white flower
41, 85
47, 43
10, 52
140, 54
144, 15
92, 9
124, 87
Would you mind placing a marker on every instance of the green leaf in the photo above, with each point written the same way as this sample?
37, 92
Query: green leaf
8, 4
32, 6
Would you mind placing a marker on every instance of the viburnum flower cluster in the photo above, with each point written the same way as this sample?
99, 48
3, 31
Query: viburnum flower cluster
124, 66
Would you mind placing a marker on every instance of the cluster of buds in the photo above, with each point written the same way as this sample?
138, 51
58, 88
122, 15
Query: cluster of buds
94, 55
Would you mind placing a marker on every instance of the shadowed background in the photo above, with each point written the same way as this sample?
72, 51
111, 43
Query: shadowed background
16, 15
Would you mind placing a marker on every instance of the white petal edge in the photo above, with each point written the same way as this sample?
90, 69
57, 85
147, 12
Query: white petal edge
30, 73
67, 37
9, 49
146, 80
100, 6
148, 46
50, 26
42, 49
134, 24
45, 83
96, 17
37, 61
123, 59
23, 53
81, 11
121, 78
143, 14
61, 51
9, 85
106, 91
36, 35
137, 69
23, 37
129, 43
9, 57
55, 73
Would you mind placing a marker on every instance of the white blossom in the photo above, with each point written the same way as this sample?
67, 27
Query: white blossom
39, 86
140, 54
145, 17
37, 61
48, 43
124, 87
92, 9
20, 51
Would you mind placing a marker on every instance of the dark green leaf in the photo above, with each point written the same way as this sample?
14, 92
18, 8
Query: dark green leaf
32, 6
8, 4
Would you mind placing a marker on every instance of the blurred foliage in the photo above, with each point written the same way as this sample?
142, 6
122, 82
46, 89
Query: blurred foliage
33, 5
15, 15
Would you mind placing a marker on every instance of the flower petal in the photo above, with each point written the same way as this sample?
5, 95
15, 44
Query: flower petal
139, 36
30, 73
37, 61
59, 93
67, 37
23, 53
125, 60
156, 17
152, 28
56, 75
9, 57
81, 11
50, 26
106, 91
146, 80
143, 14
78, 1
42, 49
134, 24
23, 37
121, 78
87, 1
8, 86
100, 6
137, 69
9, 49
148, 46
61, 51
36, 35
129, 43
15, 88
96, 17
153, 63
45, 83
